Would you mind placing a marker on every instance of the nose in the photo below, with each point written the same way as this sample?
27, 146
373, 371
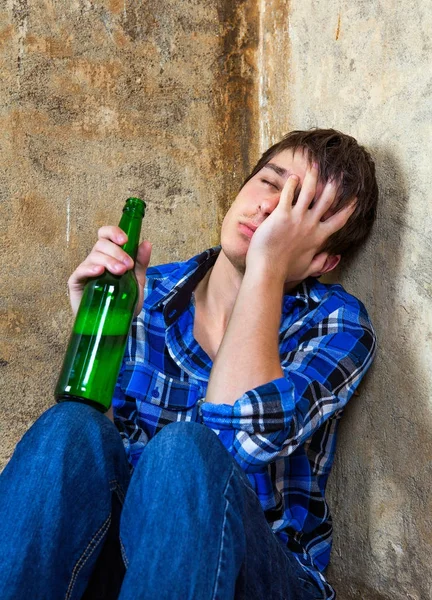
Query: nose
268, 204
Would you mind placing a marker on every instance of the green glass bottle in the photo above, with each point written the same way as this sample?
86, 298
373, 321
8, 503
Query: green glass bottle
98, 341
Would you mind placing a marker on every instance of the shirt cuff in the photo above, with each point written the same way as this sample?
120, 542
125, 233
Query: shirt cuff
268, 407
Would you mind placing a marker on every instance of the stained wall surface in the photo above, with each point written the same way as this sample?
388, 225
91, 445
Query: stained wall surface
365, 68
173, 101
100, 100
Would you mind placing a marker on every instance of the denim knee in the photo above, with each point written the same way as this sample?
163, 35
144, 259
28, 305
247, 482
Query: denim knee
184, 448
69, 415
73, 434
67, 421
187, 439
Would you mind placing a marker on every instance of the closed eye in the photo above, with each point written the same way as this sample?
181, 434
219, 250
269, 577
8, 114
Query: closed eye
269, 183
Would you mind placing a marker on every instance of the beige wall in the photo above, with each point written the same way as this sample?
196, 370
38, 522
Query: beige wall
100, 100
173, 101
365, 68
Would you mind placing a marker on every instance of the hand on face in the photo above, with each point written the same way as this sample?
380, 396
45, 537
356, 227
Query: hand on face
287, 244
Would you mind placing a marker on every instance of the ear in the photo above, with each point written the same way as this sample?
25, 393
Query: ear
324, 263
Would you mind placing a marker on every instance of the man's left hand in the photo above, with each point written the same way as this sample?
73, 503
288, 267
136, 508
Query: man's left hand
287, 245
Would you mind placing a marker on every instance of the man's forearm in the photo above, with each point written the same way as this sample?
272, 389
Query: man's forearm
249, 353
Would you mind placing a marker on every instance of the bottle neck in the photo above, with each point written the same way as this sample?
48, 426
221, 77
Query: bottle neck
130, 223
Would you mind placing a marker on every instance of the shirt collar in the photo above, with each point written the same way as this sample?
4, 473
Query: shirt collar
173, 293
305, 297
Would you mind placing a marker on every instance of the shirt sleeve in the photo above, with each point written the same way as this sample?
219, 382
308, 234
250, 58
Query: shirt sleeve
320, 376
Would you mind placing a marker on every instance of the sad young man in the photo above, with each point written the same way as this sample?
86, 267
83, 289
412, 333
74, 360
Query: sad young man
210, 483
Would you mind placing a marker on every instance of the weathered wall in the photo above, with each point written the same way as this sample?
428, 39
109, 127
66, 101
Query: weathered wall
100, 100
365, 68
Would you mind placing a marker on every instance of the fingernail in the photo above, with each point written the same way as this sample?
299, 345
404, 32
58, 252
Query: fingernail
117, 267
295, 177
315, 165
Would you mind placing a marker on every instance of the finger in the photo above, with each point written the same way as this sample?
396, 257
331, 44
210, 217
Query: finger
326, 200
110, 249
339, 219
142, 262
113, 233
308, 189
83, 273
111, 264
288, 192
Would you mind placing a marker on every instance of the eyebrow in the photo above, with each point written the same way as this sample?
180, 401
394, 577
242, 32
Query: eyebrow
278, 170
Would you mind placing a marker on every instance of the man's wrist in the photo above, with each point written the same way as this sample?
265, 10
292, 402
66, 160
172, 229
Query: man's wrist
265, 275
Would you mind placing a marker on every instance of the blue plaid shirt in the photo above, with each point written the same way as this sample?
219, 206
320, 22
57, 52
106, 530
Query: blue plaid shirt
282, 433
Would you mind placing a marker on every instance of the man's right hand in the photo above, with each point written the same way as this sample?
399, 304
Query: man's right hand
108, 254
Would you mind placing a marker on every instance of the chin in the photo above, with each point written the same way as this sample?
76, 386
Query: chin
236, 256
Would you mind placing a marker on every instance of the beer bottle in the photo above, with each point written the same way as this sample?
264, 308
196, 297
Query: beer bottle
99, 335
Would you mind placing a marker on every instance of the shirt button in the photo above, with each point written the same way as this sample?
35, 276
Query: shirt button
155, 393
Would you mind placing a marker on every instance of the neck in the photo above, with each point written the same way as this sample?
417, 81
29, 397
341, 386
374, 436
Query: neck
216, 293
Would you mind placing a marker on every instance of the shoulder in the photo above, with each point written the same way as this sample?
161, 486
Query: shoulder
330, 298
342, 319
327, 314
165, 270
164, 277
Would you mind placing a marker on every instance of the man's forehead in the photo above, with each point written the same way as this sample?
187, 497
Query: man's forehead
277, 169
289, 162
298, 157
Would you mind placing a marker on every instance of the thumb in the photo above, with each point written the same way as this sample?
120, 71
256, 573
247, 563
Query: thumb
141, 264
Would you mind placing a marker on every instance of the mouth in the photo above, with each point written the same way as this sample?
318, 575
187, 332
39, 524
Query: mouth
247, 229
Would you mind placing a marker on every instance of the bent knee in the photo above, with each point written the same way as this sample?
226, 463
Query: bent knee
73, 420
182, 458
187, 445
183, 434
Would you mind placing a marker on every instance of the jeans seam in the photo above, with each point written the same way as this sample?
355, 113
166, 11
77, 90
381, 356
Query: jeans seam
116, 487
91, 546
123, 553
222, 536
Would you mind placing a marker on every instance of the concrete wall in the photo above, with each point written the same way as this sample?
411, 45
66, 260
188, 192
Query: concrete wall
365, 68
98, 101
174, 101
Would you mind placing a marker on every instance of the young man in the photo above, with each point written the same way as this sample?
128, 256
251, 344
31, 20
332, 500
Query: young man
250, 361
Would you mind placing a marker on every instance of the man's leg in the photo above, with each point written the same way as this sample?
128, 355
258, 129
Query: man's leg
192, 527
57, 494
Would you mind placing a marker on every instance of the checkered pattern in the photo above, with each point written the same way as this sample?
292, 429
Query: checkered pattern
282, 433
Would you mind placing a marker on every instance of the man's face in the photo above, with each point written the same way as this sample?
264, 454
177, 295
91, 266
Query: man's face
257, 200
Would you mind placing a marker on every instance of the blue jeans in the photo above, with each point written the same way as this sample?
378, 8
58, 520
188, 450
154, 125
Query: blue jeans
187, 524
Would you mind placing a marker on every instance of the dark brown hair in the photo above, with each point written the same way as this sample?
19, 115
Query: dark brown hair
339, 157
